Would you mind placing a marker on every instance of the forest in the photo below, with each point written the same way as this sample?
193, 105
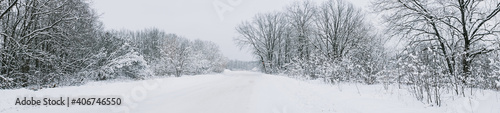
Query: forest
448, 46
52, 43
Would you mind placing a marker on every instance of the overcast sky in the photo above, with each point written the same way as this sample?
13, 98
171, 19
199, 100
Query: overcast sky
193, 19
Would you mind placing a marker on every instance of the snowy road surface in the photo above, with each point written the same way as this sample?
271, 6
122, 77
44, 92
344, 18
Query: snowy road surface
242, 92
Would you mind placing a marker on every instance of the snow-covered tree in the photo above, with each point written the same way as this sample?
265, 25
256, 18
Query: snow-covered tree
44, 41
461, 31
125, 62
206, 58
48, 43
322, 41
265, 35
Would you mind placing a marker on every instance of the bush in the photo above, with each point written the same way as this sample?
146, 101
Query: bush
128, 63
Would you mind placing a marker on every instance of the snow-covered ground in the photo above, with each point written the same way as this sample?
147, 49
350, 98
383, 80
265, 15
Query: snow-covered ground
245, 92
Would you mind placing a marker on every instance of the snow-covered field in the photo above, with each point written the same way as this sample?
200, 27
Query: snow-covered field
245, 92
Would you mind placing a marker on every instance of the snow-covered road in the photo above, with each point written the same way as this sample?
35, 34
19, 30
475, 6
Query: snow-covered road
234, 92
241, 92
230, 94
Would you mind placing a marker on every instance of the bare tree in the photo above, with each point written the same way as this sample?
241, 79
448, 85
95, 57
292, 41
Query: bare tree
45, 41
340, 28
301, 16
308, 39
177, 52
207, 58
460, 30
265, 35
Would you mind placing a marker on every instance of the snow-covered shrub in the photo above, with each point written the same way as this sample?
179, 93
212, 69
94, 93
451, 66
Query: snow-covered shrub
128, 63
386, 77
5, 82
296, 68
182, 56
495, 73
160, 68
425, 75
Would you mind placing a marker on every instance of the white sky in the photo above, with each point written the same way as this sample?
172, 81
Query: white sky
193, 19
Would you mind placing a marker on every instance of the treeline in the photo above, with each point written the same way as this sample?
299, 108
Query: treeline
50, 43
331, 41
450, 46
237, 65
170, 54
